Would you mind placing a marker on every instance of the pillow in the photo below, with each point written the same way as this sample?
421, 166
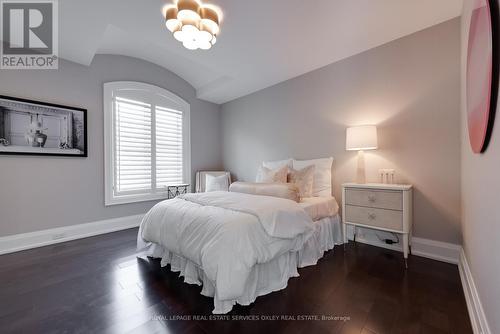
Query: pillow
278, 164
281, 190
273, 165
322, 183
267, 175
303, 179
216, 183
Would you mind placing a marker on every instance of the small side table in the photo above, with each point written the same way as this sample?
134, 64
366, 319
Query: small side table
385, 207
174, 191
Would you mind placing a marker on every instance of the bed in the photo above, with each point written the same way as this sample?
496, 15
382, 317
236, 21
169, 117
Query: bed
239, 246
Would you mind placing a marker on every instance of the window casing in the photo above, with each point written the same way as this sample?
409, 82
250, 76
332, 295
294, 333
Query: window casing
147, 142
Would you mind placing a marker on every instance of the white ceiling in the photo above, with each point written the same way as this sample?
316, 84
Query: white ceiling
262, 42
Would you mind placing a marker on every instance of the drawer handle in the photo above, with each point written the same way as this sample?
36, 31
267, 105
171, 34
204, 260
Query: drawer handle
371, 198
372, 216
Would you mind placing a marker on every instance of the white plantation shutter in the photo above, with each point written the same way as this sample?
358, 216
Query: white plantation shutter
132, 146
146, 142
168, 147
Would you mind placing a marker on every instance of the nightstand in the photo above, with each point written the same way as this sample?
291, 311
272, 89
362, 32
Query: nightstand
384, 207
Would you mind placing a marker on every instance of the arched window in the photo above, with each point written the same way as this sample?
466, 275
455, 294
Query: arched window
147, 142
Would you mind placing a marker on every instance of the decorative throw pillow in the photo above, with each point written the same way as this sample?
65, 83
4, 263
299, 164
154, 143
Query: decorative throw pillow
278, 164
272, 175
303, 179
322, 184
216, 183
281, 190
273, 165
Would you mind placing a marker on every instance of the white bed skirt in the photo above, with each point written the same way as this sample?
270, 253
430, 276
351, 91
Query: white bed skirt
264, 277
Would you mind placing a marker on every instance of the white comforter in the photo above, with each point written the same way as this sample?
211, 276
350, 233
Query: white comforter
226, 233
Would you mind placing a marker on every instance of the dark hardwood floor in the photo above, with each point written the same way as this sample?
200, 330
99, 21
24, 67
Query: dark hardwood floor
98, 285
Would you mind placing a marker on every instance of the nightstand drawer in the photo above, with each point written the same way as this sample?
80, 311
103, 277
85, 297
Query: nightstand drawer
389, 219
375, 198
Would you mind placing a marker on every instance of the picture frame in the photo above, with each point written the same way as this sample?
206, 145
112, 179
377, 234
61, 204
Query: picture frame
482, 73
29, 127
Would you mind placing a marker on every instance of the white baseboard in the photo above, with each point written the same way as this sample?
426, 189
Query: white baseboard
474, 306
19, 242
436, 250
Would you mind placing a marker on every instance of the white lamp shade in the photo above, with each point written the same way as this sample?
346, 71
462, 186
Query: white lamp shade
361, 138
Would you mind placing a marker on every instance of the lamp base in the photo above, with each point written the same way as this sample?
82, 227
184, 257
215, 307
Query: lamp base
360, 172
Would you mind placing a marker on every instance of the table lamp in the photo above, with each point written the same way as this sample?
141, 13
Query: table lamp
361, 138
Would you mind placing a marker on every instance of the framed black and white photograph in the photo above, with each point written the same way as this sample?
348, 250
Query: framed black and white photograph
39, 128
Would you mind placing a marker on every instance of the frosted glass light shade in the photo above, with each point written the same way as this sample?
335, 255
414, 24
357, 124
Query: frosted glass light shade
190, 44
188, 10
210, 20
179, 35
361, 138
190, 32
204, 35
172, 22
204, 45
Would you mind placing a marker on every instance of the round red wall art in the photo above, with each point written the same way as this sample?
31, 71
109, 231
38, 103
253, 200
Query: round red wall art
479, 76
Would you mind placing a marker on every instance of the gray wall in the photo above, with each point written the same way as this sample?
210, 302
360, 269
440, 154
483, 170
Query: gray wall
481, 203
45, 192
410, 88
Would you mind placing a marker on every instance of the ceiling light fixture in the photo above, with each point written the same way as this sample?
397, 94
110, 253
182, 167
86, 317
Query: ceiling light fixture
193, 23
